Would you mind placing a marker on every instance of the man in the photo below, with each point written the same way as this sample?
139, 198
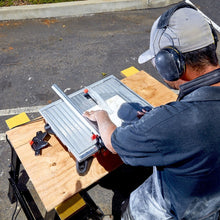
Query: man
181, 140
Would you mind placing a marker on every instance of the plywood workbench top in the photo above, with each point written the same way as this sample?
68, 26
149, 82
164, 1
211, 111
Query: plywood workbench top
150, 89
53, 173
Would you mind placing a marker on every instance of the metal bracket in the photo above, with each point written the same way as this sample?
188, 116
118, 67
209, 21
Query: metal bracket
83, 167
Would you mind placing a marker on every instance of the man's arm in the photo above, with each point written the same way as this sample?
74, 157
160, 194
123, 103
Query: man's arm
105, 125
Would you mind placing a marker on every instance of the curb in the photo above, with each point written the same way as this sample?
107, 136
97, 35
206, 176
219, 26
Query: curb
77, 8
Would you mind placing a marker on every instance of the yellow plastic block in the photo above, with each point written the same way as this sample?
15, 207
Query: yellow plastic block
70, 206
130, 71
17, 120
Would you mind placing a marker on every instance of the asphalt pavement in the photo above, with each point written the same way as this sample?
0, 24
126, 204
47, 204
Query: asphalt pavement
73, 53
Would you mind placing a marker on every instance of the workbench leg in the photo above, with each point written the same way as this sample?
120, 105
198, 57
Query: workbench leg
14, 173
14, 191
52, 215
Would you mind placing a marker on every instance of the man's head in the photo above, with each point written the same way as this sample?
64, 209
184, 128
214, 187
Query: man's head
180, 31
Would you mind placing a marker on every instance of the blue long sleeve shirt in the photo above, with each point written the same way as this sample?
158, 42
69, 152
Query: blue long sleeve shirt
182, 140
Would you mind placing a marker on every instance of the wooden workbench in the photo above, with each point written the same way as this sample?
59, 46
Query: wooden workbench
53, 173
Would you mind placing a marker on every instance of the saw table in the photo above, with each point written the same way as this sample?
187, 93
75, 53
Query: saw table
53, 173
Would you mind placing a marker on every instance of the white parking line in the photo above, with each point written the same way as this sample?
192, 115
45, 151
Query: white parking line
15, 111
2, 137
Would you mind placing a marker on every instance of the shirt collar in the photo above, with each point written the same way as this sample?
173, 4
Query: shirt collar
204, 80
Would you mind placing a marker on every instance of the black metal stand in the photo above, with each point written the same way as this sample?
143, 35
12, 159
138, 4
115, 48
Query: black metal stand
14, 173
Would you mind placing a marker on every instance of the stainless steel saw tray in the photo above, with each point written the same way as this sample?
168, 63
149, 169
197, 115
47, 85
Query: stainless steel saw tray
71, 128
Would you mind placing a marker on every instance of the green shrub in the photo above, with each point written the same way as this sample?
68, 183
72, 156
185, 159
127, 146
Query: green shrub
29, 2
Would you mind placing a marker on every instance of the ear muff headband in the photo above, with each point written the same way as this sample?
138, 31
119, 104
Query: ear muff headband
215, 36
165, 17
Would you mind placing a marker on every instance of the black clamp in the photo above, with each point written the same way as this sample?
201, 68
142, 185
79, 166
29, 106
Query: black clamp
38, 142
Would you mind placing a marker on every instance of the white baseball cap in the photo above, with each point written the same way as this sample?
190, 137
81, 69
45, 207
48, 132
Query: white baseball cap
187, 30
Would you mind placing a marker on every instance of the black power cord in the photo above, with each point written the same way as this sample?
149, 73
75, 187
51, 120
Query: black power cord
15, 215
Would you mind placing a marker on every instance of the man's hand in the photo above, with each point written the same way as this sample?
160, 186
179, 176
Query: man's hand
105, 125
94, 115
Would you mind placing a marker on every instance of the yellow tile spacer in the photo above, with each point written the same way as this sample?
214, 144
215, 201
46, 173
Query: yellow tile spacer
70, 206
130, 71
17, 120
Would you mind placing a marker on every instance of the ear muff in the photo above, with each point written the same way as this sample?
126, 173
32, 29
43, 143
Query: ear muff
170, 63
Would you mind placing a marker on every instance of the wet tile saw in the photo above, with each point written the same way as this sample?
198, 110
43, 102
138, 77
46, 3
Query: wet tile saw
77, 133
